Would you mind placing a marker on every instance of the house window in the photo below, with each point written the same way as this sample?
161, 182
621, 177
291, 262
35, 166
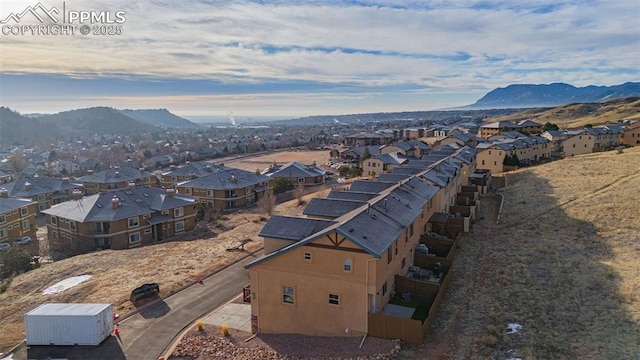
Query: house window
482, 162
134, 222
334, 299
3, 233
187, 191
404, 262
396, 246
41, 198
178, 212
346, 264
2, 219
300, 180
54, 220
288, 295
411, 230
209, 193
307, 256
134, 238
179, 226
54, 234
574, 145
42, 207
384, 288
24, 211
389, 255
147, 231
72, 225
25, 224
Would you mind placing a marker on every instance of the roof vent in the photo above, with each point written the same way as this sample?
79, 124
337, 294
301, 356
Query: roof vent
208, 168
65, 180
115, 202
171, 192
27, 185
234, 178
90, 172
4, 193
117, 174
77, 194
131, 184
35, 176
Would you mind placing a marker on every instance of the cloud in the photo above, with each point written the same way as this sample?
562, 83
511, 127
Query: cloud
380, 46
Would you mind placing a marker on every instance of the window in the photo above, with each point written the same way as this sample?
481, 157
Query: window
209, 193
24, 211
147, 231
404, 262
411, 230
288, 295
41, 198
384, 288
334, 299
389, 255
179, 226
346, 264
72, 225
54, 220
134, 238
307, 256
25, 224
2, 219
54, 234
301, 180
482, 162
396, 246
3, 233
178, 212
134, 222
187, 191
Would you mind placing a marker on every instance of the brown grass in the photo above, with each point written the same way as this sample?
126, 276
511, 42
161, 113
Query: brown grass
564, 263
117, 272
306, 157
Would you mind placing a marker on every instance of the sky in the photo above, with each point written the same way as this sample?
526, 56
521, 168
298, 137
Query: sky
297, 58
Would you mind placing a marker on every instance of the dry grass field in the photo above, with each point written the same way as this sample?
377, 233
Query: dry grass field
306, 157
564, 263
579, 115
116, 272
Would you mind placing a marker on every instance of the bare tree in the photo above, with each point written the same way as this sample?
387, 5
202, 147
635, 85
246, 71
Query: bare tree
298, 192
267, 204
16, 163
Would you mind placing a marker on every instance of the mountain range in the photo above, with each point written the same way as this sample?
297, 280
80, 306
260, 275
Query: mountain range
556, 94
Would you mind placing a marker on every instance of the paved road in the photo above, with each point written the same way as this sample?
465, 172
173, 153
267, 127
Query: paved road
146, 334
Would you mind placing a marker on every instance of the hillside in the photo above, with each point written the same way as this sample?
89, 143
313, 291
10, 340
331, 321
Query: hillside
545, 95
97, 120
16, 129
579, 115
563, 263
160, 117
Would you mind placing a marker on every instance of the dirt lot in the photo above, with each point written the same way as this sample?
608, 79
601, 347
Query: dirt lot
564, 264
306, 157
115, 273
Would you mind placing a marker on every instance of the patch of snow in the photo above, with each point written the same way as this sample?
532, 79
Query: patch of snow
513, 328
514, 359
65, 284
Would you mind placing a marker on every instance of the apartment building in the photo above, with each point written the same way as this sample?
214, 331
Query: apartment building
17, 218
116, 178
45, 191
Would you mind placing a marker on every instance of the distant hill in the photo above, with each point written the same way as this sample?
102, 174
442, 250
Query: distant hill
17, 129
579, 115
97, 120
545, 95
160, 117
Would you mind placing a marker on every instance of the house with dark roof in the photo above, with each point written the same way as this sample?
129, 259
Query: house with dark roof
227, 188
337, 271
495, 156
495, 128
408, 148
296, 173
189, 171
382, 163
119, 219
116, 178
364, 139
43, 190
17, 218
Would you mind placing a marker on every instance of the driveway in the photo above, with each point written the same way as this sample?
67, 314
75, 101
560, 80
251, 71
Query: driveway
147, 333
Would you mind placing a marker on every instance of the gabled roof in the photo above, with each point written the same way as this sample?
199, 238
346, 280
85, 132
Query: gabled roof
393, 177
225, 178
10, 204
391, 159
131, 202
370, 186
116, 175
38, 185
359, 150
296, 170
410, 144
406, 170
292, 228
351, 195
196, 169
331, 208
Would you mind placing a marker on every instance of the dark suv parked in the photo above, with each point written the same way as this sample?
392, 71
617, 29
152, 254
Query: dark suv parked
144, 291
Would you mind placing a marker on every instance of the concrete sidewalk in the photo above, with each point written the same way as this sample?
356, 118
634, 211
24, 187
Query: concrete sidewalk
236, 316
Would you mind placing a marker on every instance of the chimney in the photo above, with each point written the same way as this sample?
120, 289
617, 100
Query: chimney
172, 167
234, 178
27, 186
65, 180
171, 192
76, 194
117, 174
208, 168
131, 185
89, 171
35, 176
115, 202
4, 193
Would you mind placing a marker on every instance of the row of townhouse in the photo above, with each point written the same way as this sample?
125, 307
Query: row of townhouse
119, 219
116, 178
44, 191
328, 272
567, 143
17, 218
493, 155
496, 128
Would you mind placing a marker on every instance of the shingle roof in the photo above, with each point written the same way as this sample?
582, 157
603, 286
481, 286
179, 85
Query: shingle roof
196, 169
225, 178
390, 159
331, 208
370, 186
9, 204
292, 228
351, 195
392, 177
296, 170
38, 185
116, 175
131, 202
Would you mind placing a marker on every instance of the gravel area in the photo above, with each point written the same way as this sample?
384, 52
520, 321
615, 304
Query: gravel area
211, 344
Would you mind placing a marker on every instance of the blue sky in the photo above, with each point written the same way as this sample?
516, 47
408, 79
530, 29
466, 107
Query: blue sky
295, 58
